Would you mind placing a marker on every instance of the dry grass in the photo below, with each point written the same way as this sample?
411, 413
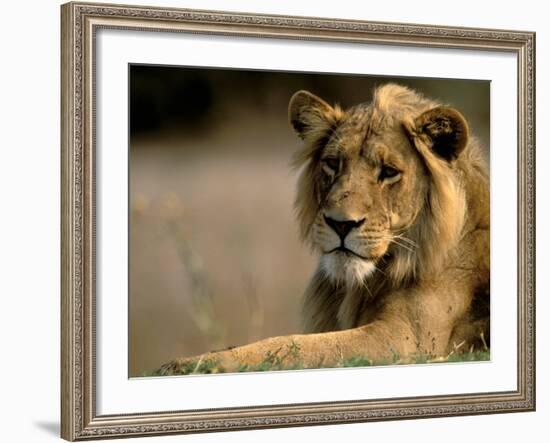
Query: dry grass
287, 361
215, 258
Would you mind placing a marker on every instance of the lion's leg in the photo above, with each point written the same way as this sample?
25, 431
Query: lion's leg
380, 341
418, 322
470, 335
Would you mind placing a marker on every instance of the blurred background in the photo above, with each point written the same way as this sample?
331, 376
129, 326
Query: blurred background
215, 258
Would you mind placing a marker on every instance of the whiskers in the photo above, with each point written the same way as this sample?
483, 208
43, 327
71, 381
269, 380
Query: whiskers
398, 239
404, 242
367, 255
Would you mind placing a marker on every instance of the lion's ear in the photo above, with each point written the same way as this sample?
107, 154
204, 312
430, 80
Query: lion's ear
311, 116
445, 131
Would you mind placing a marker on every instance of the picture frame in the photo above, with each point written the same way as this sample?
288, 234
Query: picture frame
81, 23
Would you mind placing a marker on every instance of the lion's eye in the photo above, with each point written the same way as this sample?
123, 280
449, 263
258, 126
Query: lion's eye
332, 163
388, 172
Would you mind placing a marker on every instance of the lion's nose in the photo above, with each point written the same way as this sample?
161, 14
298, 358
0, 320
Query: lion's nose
343, 227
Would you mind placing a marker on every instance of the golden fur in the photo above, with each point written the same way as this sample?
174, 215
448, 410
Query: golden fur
394, 196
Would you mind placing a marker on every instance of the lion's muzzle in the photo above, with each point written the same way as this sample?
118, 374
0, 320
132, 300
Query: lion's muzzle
343, 227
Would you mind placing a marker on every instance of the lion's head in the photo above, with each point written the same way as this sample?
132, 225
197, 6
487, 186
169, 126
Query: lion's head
379, 187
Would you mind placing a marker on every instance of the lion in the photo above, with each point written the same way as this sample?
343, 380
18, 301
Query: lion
393, 195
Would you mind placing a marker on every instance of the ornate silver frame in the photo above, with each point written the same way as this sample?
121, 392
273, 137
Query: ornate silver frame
80, 21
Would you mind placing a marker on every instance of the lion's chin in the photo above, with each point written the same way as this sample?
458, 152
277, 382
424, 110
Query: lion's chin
345, 269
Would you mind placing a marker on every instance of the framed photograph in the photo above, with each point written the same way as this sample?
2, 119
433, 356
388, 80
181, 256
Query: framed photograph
282, 221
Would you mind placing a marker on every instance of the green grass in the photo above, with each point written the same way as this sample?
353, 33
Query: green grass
288, 361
